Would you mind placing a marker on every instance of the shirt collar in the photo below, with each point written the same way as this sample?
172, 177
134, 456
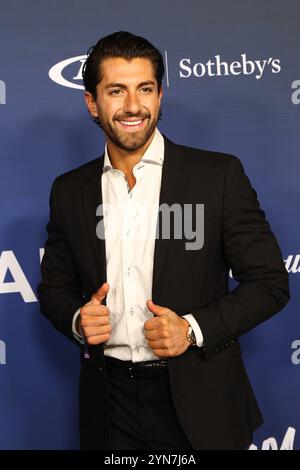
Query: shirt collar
154, 153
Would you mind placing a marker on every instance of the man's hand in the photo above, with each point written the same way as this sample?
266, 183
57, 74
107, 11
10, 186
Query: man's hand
166, 332
94, 318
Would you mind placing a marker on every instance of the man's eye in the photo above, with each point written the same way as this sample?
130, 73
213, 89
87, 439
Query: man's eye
146, 89
115, 92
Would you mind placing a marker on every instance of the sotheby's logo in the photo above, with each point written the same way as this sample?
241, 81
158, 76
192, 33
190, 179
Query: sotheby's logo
68, 72
219, 67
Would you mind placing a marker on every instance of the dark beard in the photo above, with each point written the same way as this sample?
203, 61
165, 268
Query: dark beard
134, 142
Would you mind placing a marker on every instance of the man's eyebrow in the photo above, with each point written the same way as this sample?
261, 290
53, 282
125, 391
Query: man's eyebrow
121, 85
148, 82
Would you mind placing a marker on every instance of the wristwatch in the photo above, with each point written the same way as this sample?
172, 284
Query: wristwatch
191, 337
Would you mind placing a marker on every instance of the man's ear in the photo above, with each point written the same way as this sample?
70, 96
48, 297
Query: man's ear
160, 95
90, 103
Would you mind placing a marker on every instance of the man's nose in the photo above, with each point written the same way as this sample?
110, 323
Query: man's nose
132, 104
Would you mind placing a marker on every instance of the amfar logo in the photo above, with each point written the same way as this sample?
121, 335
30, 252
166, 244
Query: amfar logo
218, 67
271, 443
21, 285
2, 92
295, 97
295, 358
292, 264
2, 352
63, 72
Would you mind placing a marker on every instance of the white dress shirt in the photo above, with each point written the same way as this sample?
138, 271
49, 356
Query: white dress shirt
130, 228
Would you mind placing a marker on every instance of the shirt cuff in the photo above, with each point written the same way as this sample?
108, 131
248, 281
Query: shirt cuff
76, 335
196, 328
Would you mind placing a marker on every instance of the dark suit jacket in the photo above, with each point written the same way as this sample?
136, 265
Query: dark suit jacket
211, 391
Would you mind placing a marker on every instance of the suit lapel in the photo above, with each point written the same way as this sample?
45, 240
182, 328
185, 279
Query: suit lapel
171, 191
92, 198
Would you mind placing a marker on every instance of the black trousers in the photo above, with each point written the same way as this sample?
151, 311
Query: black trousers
142, 413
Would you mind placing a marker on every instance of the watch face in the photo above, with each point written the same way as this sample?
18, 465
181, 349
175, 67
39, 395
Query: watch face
191, 336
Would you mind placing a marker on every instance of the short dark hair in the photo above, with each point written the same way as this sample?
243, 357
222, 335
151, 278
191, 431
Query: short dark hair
119, 44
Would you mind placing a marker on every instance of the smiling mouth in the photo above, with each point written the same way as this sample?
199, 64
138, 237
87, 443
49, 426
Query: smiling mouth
133, 124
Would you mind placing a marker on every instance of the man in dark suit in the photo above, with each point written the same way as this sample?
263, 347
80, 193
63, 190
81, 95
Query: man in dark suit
135, 271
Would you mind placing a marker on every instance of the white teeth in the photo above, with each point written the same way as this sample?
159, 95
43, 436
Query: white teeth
131, 123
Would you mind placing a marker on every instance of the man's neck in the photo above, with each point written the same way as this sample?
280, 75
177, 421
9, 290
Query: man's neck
124, 160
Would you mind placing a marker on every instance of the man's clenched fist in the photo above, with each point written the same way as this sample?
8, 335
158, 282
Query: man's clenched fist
94, 318
166, 332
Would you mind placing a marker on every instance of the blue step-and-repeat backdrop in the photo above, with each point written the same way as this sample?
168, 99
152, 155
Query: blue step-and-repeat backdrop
232, 85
